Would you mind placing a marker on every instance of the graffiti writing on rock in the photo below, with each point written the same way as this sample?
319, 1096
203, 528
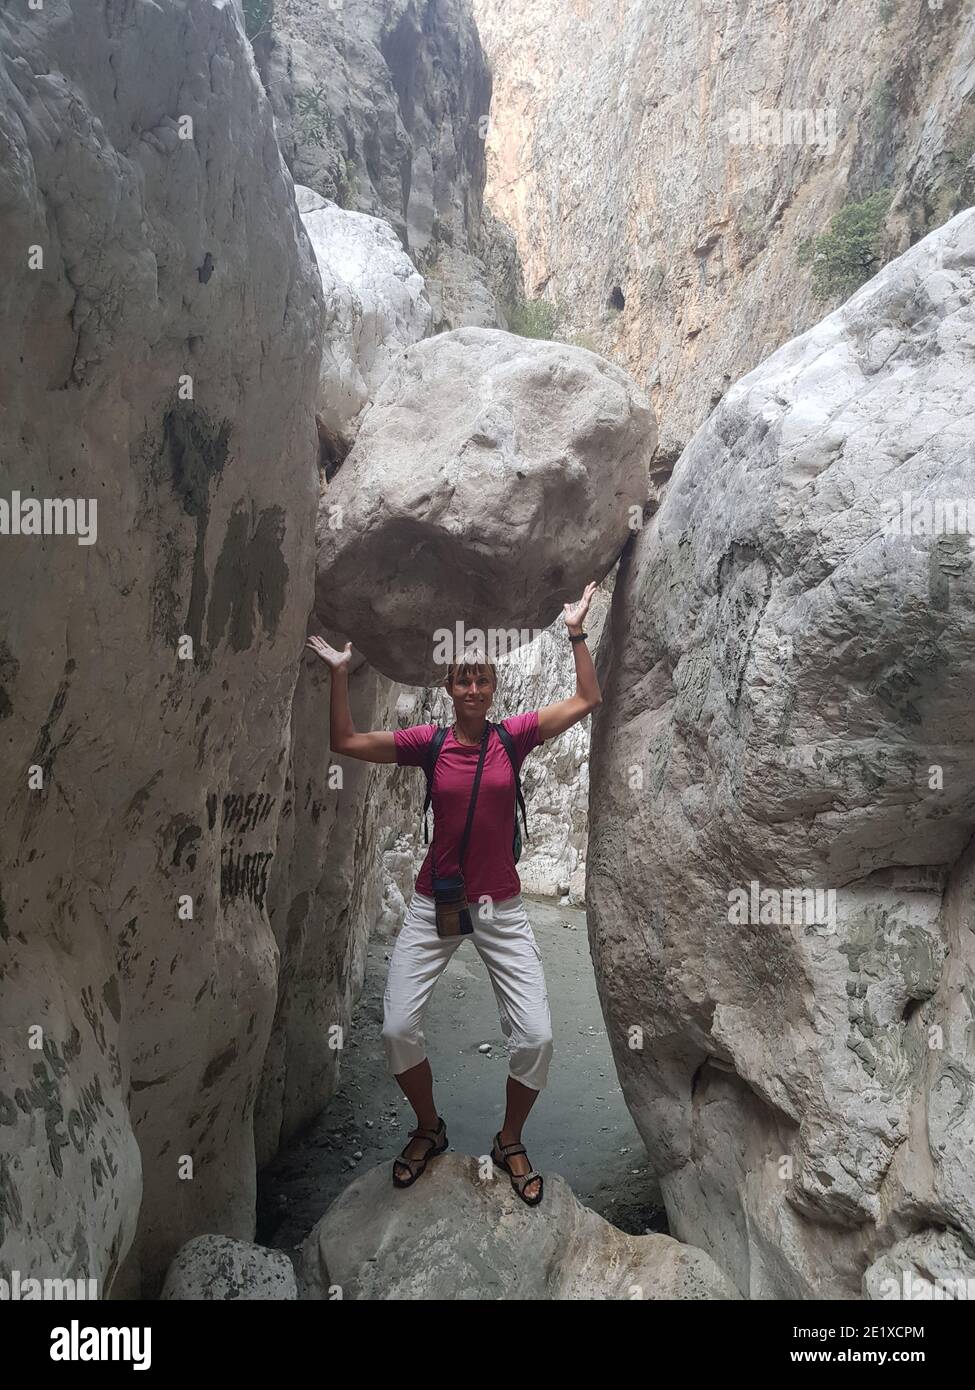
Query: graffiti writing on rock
244, 869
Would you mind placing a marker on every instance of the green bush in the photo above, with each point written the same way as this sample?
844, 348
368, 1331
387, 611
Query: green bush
532, 318
850, 252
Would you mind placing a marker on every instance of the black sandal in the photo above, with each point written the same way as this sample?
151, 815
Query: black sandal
434, 1136
519, 1181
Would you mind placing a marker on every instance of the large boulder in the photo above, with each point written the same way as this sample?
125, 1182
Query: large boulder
492, 477
462, 1233
788, 679
162, 322
375, 305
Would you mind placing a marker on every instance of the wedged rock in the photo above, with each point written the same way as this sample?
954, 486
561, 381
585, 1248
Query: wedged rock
492, 477
788, 686
459, 1235
133, 920
216, 1267
375, 305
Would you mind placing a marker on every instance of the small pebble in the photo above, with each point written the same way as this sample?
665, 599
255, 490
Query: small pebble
358, 1153
484, 1047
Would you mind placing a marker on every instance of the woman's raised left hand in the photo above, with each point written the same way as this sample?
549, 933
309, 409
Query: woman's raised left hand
575, 613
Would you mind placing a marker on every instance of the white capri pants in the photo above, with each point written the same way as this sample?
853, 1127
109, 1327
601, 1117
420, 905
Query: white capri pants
507, 946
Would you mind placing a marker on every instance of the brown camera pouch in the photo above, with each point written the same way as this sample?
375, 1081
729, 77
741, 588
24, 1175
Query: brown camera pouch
449, 894
453, 914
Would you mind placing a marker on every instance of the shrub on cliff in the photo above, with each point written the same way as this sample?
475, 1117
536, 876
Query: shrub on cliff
850, 253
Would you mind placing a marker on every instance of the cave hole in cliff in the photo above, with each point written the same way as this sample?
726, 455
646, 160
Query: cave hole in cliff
910, 1009
616, 298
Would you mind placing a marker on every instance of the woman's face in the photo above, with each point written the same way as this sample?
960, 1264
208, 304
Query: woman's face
472, 694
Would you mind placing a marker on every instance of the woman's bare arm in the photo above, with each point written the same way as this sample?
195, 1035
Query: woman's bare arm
555, 719
379, 746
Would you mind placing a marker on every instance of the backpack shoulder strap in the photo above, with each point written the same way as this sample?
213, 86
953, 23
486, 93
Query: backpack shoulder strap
509, 748
433, 753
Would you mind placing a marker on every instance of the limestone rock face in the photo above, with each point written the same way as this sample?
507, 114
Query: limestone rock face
375, 305
931, 1265
787, 709
382, 106
146, 677
215, 1267
668, 230
456, 1235
492, 477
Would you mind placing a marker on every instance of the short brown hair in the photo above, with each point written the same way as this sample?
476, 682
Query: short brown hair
474, 663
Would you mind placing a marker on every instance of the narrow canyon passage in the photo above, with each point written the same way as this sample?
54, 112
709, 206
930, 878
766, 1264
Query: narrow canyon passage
580, 1128
569, 402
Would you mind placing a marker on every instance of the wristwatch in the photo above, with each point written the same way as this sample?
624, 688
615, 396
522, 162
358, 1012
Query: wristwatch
578, 636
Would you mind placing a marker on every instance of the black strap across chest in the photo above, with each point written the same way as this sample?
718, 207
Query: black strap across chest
470, 810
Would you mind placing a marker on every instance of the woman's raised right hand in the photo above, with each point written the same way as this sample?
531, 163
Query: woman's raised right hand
333, 658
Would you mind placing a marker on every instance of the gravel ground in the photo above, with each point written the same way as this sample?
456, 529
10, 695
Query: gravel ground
579, 1126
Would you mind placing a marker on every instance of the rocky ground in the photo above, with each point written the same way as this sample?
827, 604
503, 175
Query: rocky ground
579, 1127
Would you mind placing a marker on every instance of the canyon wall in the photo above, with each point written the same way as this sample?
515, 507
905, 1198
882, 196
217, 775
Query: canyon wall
782, 804
663, 165
162, 317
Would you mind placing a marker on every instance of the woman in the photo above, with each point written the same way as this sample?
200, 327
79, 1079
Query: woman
503, 934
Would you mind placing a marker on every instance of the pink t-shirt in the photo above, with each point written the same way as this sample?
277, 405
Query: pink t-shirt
489, 864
